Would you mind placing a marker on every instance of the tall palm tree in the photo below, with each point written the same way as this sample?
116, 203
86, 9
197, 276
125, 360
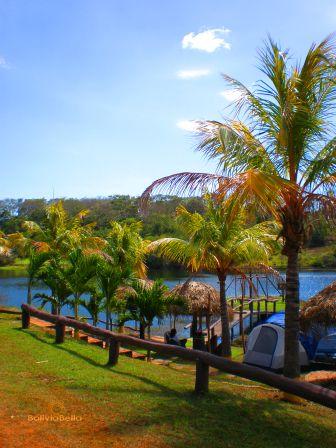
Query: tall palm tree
218, 242
121, 260
59, 236
37, 259
79, 274
279, 148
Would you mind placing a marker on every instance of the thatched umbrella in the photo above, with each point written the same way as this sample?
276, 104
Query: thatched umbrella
201, 299
320, 309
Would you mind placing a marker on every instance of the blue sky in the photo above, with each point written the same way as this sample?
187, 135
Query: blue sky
95, 95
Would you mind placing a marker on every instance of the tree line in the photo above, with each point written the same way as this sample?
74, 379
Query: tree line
159, 220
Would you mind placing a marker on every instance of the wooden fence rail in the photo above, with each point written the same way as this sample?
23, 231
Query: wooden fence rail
203, 360
9, 311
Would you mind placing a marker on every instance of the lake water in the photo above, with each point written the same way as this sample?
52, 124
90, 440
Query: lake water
13, 290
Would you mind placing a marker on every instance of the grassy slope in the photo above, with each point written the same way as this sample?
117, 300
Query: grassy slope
138, 404
317, 257
19, 266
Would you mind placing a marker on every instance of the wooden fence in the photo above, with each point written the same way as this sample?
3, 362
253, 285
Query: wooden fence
203, 360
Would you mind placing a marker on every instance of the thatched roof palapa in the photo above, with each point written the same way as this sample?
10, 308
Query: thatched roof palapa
200, 297
320, 309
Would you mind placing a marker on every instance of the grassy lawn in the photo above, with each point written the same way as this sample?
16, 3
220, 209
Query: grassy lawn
19, 266
136, 403
280, 305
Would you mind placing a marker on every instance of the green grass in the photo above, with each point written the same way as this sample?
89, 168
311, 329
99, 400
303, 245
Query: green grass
280, 305
141, 404
19, 266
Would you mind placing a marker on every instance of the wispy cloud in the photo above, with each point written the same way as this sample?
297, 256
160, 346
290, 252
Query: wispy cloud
191, 74
231, 94
4, 63
188, 125
208, 40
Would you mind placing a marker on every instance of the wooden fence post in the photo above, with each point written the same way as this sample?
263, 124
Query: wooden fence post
60, 333
25, 319
202, 377
114, 347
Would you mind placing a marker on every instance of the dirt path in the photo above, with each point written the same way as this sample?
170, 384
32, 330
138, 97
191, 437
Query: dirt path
47, 427
36, 411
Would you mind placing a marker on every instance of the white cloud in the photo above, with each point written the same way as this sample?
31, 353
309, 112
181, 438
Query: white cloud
191, 74
188, 125
208, 40
231, 94
3, 63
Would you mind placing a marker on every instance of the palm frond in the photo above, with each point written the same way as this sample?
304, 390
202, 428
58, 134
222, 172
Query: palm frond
181, 184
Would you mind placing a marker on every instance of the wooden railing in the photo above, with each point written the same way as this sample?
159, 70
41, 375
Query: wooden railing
203, 360
9, 311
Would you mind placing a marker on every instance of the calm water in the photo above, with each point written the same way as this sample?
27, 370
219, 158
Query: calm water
311, 282
13, 289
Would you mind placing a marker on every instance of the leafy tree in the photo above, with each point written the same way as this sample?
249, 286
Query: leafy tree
59, 237
147, 301
278, 150
53, 274
122, 259
218, 242
94, 305
37, 258
79, 274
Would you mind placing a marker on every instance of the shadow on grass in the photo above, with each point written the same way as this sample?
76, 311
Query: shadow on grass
226, 417
106, 366
62, 348
221, 419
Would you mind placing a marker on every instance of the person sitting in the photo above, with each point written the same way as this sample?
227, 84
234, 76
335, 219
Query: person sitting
172, 338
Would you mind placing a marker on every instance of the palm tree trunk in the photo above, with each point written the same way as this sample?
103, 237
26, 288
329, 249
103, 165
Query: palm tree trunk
53, 304
148, 335
76, 300
142, 330
107, 317
29, 294
53, 308
292, 325
226, 340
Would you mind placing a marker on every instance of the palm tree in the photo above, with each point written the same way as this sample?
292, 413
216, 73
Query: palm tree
56, 303
52, 272
121, 260
218, 242
94, 305
148, 300
60, 238
36, 261
278, 150
54, 239
79, 274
